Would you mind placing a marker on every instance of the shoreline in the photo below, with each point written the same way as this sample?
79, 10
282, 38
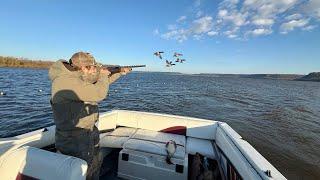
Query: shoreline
13, 62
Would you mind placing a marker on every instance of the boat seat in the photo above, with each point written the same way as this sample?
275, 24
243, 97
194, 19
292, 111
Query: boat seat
117, 137
201, 146
33, 163
155, 143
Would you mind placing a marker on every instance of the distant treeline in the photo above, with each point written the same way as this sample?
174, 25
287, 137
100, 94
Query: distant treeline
258, 76
314, 76
24, 63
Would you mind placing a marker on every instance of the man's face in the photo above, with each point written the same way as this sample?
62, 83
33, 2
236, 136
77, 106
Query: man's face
89, 69
90, 74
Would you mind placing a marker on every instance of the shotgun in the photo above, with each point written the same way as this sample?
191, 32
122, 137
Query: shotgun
117, 68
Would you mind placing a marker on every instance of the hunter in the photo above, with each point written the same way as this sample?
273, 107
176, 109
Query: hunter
77, 87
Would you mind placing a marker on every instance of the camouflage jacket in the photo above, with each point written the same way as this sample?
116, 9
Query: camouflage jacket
74, 101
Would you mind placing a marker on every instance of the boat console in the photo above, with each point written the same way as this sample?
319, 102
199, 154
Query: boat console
144, 157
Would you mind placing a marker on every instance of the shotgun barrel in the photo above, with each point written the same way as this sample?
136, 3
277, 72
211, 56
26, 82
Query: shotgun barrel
117, 68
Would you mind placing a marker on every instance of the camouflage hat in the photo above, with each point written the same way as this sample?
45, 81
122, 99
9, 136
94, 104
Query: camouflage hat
82, 59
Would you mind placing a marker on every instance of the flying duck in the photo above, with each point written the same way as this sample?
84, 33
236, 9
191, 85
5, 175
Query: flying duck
158, 54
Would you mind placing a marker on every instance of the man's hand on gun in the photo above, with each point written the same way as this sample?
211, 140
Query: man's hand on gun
105, 71
125, 71
112, 69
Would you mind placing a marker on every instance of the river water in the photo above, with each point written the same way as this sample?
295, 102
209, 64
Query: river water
280, 118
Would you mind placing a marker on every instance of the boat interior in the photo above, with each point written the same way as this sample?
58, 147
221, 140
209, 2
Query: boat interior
134, 145
126, 151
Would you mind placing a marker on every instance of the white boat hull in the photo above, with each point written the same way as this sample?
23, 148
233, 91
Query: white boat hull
212, 138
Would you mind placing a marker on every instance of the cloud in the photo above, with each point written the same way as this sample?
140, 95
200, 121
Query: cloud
263, 22
260, 17
268, 8
293, 16
202, 25
181, 19
232, 36
309, 28
179, 35
222, 13
245, 19
291, 25
260, 31
212, 33
296, 21
235, 17
312, 8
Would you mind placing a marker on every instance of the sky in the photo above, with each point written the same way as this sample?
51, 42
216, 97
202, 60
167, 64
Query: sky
226, 36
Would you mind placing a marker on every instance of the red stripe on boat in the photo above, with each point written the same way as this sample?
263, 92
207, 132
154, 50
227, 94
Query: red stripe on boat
181, 130
25, 177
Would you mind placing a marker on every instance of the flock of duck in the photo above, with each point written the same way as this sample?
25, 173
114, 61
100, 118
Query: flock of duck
169, 63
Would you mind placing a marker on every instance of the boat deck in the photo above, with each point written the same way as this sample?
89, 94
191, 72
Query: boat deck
109, 166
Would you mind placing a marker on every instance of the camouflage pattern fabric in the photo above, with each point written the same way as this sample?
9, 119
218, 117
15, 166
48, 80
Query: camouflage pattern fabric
75, 111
